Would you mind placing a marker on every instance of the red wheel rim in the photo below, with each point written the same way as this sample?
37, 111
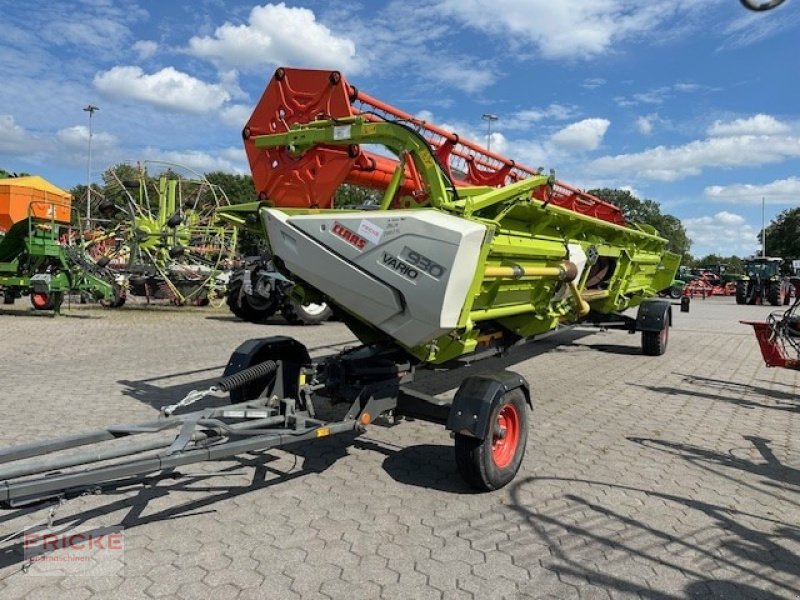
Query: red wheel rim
664, 334
505, 436
39, 300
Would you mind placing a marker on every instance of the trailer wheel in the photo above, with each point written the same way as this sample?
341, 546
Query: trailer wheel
654, 343
43, 301
305, 314
675, 292
491, 463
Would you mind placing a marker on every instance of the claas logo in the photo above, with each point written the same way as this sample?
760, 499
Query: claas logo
348, 236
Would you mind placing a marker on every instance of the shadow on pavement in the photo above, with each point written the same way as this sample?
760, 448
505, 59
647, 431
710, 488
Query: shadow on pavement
784, 401
616, 349
425, 465
588, 536
36, 314
316, 458
771, 468
233, 319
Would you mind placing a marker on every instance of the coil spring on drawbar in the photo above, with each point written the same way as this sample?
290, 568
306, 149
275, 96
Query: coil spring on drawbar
245, 376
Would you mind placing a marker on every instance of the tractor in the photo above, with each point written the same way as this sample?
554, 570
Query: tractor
762, 282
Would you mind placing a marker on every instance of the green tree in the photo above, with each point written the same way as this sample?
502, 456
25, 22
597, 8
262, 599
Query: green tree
238, 188
78, 193
355, 196
4, 173
733, 263
648, 212
783, 235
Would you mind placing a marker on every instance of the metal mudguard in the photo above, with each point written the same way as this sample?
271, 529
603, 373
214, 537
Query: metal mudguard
477, 396
292, 353
652, 315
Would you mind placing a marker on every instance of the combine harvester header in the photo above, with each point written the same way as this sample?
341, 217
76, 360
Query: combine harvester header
510, 244
300, 96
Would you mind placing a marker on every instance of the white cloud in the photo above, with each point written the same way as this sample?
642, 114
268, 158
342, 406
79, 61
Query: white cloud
593, 82
631, 190
425, 115
724, 233
576, 29
464, 77
77, 138
780, 191
14, 139
750, 28
168, 88
644, 125
526, 152
759, 124
276, 35
88, 32
664, 163
728, 218
583, 135
145, 48
236, 115
659, 95
523, 119
230, 160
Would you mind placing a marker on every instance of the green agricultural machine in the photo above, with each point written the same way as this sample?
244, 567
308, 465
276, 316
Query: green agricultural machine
37, 258
162, 233
467, 254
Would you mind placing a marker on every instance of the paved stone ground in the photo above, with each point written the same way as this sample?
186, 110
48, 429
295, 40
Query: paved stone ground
660, 478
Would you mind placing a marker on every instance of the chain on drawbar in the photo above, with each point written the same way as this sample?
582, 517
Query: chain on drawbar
226, 384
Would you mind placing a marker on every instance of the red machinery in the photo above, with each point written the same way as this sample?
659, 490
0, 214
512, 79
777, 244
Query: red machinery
707, 284
779, 336
311, 179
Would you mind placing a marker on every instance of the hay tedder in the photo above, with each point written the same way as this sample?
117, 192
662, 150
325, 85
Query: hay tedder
161, 233
467, 254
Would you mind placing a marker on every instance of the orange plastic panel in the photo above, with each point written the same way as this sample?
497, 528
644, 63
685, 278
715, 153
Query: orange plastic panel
31, 196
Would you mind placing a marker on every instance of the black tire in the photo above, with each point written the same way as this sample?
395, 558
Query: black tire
675, 292
477, 460
741, 292
8, 298
117, 301
305, 314
753, 294
654, 343
248, 308
773, 295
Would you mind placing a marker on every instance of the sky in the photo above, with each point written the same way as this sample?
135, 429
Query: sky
694, 104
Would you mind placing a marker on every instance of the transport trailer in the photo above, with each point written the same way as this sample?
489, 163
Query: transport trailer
273, 385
